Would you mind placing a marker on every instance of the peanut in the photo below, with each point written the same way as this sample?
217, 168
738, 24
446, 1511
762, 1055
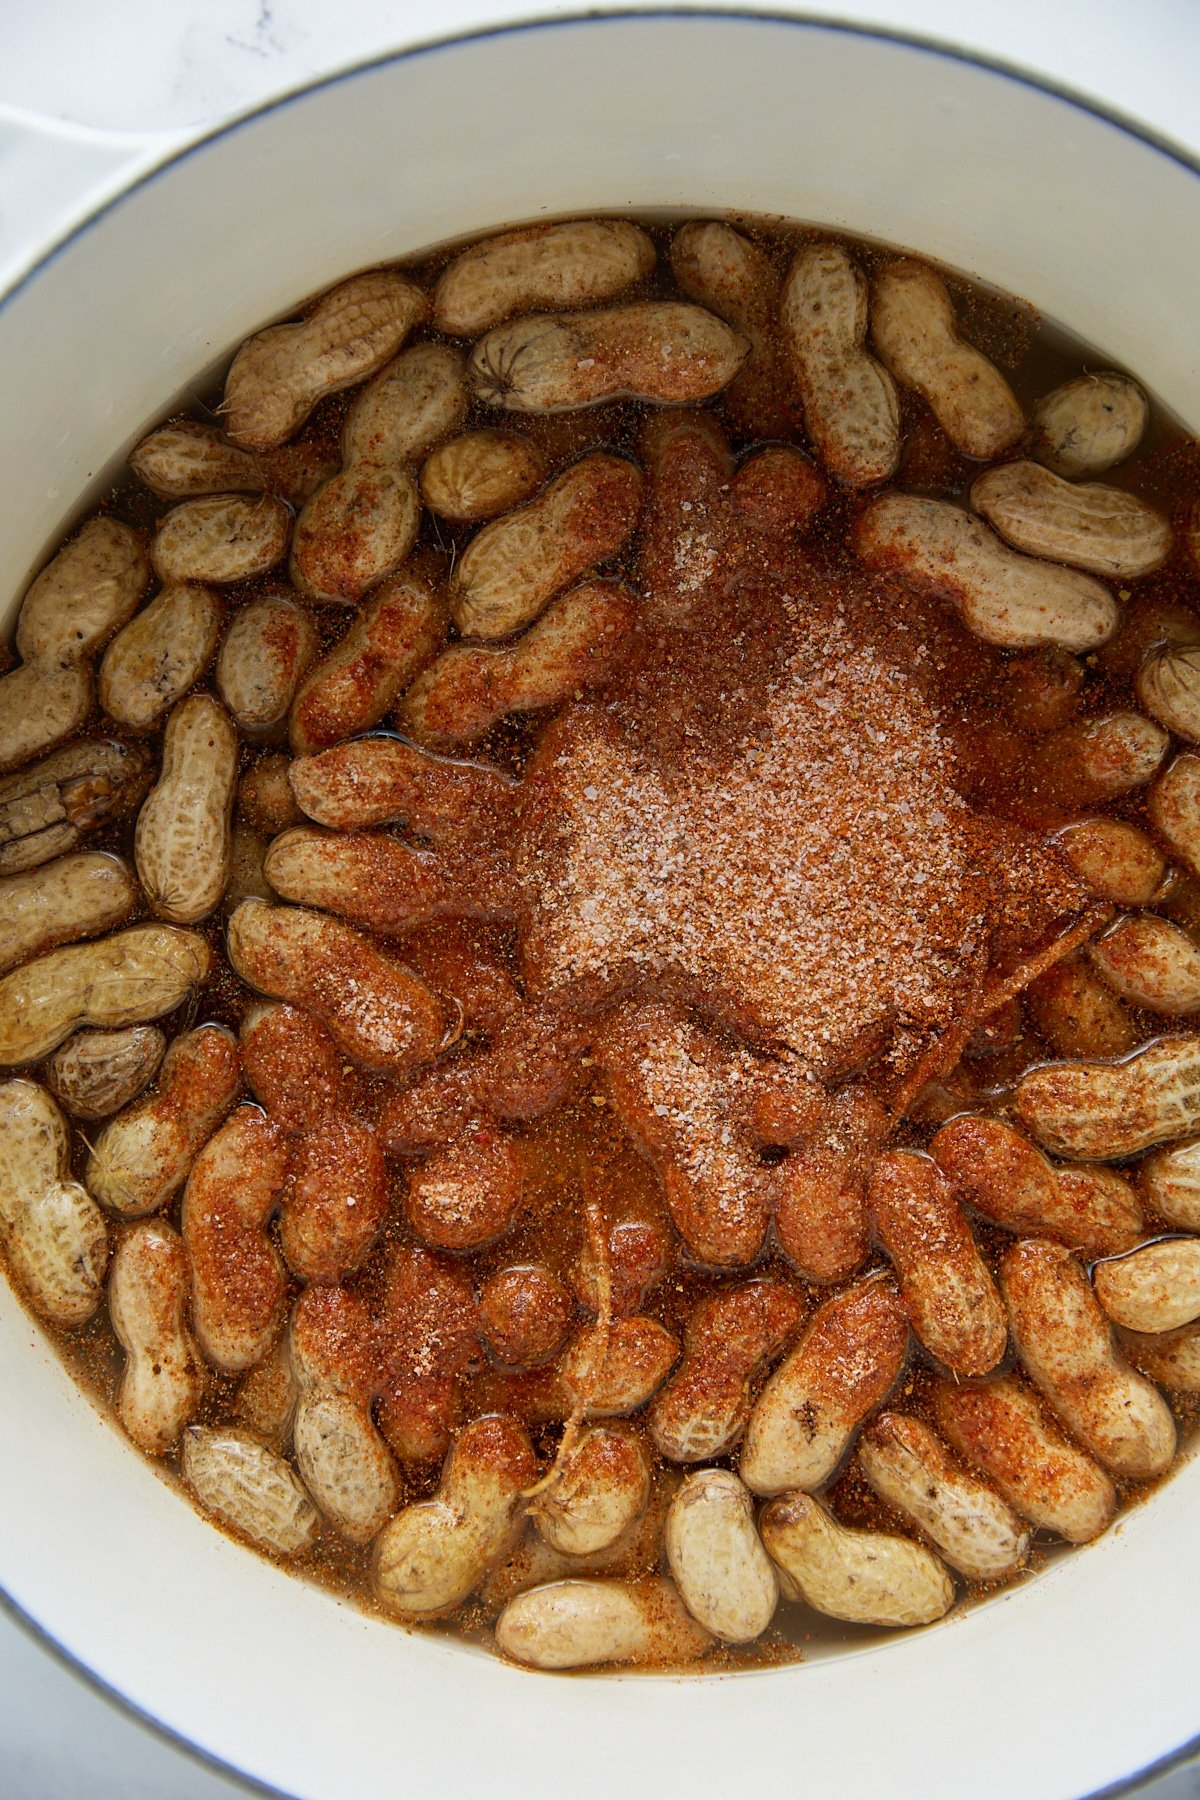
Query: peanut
1169, 1358
848, 1360
1041, 690
378, 780
266, 1397
468, 1193
85, 594
639, 1356
601, 1490
820, 1189
1168, 686
1017, 602
911, 1470
265, 798
278, 375
724, 1576
262, 659
702, 1412
1116, 859
1104, 1111
398, 630
778, 491
1090, 423
182, 841
573, 646
481, 474
164, 1378
436, 1553
343, 1461
186, 458
525, 1314
1002, 1175
238, 1281
53, 1232
663, 351
913, 327
46, 810
138, 974
1170, 1181
577, 264
1151, 962
248, 1488
1065, 1344
867, 1577
430, 1329
221, 538
1174, 807
40, 705
580, 1624
515, 566
379, 1012
1095, 760
1078, 1014
639, 1252
142, 1157
1102, 529
720, 269
1001, 1427
1156, 1288
96, 1073
1106, 1215
850, 407
76, 897
369, 879
158, 656
531, 1562
951, 1299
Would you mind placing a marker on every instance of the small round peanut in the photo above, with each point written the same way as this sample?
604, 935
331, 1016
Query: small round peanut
75, 897
640, 1355
1116, 859
576, 264
639, 1253
1102, 529
182, 841
1002, 1428
778, 490
481, 474
264, 796
262, 658
164, 1377
911, 1470
1103, 1111
85, 594
468, 1193
850, 407
664, 351
1168, 686
1003, 1176
1170, 1181
867, 1577
142, 1157
278, 375
435, 1553
40, 705
582, 1624
525, 1313
221, 538
1065, 1344
820, 1189
1156, 1288
1089, 424
950, 1296
267, 1396
914, 329
95, 1073
1078, 1014
1015, 601
47, 809
601, 1490
702, 1412
238, 1281
1150, 962
721, 269
248, 1488
159, 655
1174, 807
52, 1231
847, 1362
724, 1576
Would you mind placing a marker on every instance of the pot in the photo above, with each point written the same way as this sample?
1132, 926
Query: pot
1075, 1679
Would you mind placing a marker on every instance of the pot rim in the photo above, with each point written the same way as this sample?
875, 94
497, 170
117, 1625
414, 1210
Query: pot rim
142, 178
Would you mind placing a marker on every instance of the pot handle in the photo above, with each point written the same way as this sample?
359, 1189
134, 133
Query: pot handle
53, 173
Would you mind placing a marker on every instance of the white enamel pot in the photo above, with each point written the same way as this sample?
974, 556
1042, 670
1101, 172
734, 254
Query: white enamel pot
1077, 1679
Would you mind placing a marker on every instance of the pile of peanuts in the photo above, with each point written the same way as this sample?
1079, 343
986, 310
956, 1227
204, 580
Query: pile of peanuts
299, 1301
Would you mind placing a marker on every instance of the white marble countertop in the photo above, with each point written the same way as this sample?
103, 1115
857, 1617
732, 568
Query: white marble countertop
89, 92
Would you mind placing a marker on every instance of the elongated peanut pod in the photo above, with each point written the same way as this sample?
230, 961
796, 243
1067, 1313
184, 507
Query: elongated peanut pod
238, 1282
164, 1377
75, 897
847, 1362
1174, 807
95, 1073
1168, 685
951, 1298
867, 1577
721, 269
429, 1324
724, 1576
914, 329
345, 1464
850, 405
1078, 1014
1002, 1428
481, 474
435, 1553
47, 809
142, 1157
1065, 1343
580, 263
704, 1409
381, 779
40, 705
182, 841
1096, 760
1015, 601
1150, 962
52, 1231
601, 1490
1090, 423
1103, 1111
1102, 529
159, 655
137, 974
1170, 1181
582, 1624
1116, 859
398, 630
337, 1198
1156, 1288
574, 646
1169, 1358
278, 375
1009, 1181
378, 1011
911, 1470
365, 877
263, 656
83, 595
221, 538
248, 1488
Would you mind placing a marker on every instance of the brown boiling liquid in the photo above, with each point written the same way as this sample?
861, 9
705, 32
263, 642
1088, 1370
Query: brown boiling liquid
1165, 470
